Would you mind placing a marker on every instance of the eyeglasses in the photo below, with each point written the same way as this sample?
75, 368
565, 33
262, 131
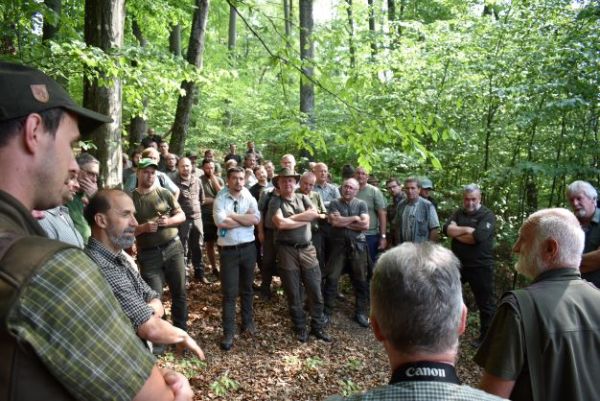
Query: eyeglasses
91, 173
349, 187
235, 206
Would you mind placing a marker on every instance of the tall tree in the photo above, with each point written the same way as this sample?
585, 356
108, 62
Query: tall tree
175, 40
232, 31
51, 27
103, 28
372, 33
307, 50
195, 57
351, 47
138, 124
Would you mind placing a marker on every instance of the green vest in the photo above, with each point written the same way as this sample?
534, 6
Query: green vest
22, 251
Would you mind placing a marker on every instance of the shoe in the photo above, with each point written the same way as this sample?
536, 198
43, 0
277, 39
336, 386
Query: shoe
249, 329
302, 335
340, 297
203, 280
227, 342
216, 273
361, 320
326, 319
321, 335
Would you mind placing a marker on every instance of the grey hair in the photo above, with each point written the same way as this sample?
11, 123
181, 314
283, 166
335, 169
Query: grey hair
562, 226
582, 187
86, 158
417, 297
308, 175
413, 179
471, 188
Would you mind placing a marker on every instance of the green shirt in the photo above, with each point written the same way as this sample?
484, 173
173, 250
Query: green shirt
375, 201
69, 316
76, 207
149, 207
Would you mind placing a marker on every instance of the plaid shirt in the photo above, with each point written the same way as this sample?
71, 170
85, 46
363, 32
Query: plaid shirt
128, 286
422, 390
71, 319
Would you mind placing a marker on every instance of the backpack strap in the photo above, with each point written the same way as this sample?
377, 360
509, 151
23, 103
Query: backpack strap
20, 258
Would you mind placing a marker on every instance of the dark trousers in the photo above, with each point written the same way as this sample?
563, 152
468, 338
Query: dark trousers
300, 267
268, 268
166, 264
343, 252
481, 281
319, 242
237, 274
190, 233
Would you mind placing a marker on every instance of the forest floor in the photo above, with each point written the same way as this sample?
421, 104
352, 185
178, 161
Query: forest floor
273, 365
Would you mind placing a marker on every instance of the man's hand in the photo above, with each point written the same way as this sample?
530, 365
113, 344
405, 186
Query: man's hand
382, 243
189, 343
88, 186
178, 384
150, 227
163, 221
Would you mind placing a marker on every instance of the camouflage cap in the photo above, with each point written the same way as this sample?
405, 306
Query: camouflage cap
25, 90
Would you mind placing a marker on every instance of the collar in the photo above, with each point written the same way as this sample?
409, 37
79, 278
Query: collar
425, 371
97, 246
596, 217
568, 273
15, 217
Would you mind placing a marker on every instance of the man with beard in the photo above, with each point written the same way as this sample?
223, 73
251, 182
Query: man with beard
191, 197
56, 221
472, 231
543, 342
63, 334
416, 219
583, 199
111, 216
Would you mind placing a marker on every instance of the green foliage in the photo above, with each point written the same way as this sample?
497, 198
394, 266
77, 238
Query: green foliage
348, 387
223, 385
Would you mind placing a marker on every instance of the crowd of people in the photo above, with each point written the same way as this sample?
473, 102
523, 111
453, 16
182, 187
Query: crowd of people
82, 314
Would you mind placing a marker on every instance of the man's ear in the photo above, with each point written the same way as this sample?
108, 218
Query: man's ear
34, 128
376, 329
463, 320
101, 220
549, 249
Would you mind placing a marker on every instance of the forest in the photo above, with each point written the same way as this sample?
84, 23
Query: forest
497, 92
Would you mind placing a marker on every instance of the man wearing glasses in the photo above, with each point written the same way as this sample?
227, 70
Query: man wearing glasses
349, 217
89, 170
235, 212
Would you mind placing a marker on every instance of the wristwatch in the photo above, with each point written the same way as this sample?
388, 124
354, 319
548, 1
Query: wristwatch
383, 236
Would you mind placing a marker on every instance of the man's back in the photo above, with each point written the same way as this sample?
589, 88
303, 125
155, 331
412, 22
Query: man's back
564, 335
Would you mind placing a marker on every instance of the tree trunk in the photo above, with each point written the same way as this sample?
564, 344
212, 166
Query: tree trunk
50, 31
307, 88
287, 17
231, 38
194, 56
103, 28
175, 40
137, 125
351, 48
372, 33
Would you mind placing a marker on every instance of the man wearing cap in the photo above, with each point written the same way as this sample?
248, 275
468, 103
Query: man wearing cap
235, 213
349, 217
416, 219
472, 231
61, 324
426, 189
292, 214
160, 252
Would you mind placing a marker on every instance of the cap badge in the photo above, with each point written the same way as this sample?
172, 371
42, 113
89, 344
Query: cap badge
40, 93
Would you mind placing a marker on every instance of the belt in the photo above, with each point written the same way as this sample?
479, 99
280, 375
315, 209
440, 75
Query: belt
235, 247
161, 246
296, 245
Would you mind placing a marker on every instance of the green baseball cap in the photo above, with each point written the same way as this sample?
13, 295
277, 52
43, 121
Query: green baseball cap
25, 90
145, 163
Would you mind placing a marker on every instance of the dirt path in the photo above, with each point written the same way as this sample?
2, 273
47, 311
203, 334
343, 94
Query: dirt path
273, 365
